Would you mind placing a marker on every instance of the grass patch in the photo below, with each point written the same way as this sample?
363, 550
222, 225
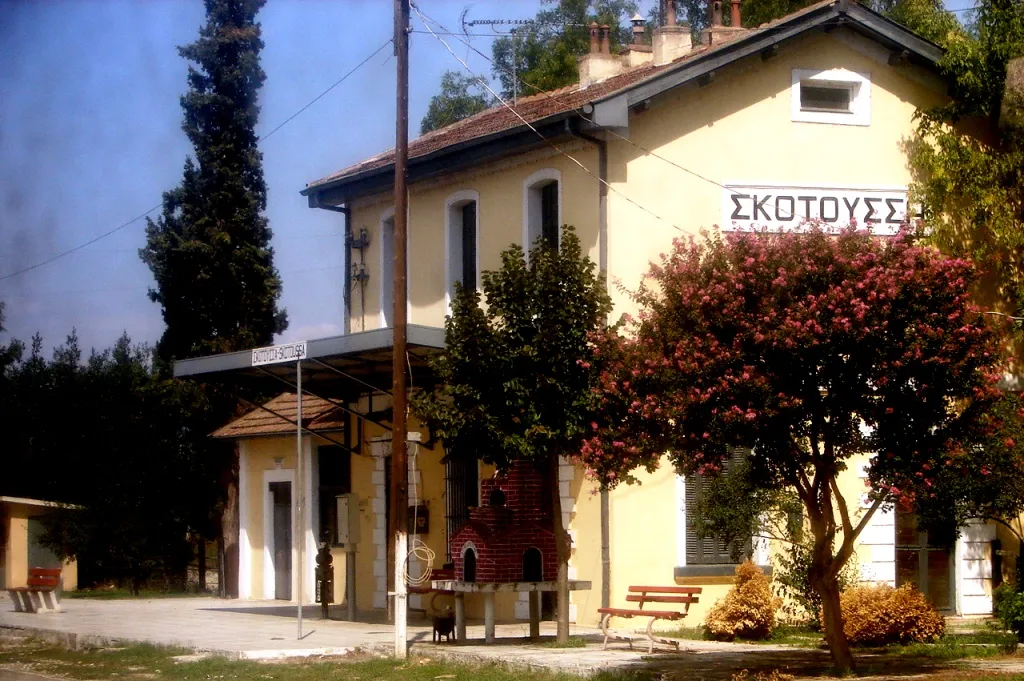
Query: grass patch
686, 633
574, 642
137, 662
956, 647
121, 594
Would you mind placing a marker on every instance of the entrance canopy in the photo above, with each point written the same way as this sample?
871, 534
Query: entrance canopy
339, 367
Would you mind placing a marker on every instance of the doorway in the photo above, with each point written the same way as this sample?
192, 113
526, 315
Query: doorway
281, 504
925, 559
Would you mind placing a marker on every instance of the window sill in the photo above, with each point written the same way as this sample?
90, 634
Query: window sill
711, 574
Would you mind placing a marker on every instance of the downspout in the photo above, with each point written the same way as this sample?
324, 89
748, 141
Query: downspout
602, 265
346, 291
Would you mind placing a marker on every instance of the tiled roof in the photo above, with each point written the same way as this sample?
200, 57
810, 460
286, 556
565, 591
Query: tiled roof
538, 107
318, 415
498, 118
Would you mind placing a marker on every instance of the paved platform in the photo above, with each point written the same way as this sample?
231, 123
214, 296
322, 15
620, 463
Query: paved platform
268, 629
241, 629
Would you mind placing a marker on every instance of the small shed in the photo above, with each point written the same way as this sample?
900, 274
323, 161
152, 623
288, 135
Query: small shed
21, 525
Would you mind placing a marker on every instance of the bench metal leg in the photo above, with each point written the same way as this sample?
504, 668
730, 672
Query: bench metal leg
613, 637
655, 639
20, 604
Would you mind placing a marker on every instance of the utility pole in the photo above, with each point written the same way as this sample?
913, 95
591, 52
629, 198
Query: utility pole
399, 432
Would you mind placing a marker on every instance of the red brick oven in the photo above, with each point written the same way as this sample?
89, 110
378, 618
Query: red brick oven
509, 539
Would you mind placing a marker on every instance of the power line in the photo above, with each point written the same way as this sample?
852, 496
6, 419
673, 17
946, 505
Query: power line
142, 215
531, 127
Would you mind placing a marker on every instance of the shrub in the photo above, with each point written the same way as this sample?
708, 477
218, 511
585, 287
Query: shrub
747, 611
1009, 606
881, 615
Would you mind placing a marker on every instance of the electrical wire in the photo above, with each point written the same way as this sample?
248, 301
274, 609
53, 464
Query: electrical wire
146, 214
529, 125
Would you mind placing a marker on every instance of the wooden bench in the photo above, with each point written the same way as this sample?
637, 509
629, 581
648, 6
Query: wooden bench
679, 595
42, 594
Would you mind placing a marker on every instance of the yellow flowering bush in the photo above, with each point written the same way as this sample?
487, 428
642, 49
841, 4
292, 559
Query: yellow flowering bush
747, 611
881, 615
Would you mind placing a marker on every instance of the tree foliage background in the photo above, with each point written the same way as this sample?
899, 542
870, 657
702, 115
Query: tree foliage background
460, 97
107, 434
968, 164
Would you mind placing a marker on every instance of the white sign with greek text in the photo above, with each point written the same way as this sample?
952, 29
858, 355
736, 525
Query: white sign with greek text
750, 207
275, 354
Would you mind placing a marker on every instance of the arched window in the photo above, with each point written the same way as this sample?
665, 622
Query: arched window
542, 207
462, 235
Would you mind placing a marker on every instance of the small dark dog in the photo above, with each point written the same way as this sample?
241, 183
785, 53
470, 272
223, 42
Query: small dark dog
444, 625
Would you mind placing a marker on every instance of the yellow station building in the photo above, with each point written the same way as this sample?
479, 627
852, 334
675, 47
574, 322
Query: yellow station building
805, 117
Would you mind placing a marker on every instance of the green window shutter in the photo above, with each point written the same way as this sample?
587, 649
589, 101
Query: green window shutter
709, 551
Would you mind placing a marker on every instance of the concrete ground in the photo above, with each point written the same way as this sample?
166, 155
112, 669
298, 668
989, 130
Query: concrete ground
267, 629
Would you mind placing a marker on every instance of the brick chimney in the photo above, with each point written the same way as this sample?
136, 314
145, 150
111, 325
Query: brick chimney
672, 40
719, 33
599, 64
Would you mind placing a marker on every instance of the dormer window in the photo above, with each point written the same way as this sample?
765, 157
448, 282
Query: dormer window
461, 247
542, 209
835, 96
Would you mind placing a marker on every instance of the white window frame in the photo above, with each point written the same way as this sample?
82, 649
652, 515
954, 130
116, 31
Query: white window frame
453, 237
532, 207
859, 85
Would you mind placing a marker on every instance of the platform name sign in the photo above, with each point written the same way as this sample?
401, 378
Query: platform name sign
748, 207
276, 354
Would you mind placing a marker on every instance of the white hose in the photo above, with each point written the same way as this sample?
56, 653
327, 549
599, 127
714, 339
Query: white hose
418, 549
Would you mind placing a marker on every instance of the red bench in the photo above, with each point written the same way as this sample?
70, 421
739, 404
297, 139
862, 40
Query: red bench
42, 594
678, 595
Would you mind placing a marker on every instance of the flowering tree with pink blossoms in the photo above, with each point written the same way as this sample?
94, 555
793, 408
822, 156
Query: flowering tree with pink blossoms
811, 349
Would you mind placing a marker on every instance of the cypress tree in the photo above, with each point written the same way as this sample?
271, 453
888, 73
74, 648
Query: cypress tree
209, 251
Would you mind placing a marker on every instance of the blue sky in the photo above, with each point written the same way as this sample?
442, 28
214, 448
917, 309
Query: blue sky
90, 136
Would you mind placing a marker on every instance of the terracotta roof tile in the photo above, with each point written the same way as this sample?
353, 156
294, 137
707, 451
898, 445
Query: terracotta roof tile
318, 415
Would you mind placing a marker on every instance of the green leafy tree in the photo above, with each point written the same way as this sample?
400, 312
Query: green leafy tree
517, 374
460, 97
209, 251
811, 350
544, 54
968, 169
